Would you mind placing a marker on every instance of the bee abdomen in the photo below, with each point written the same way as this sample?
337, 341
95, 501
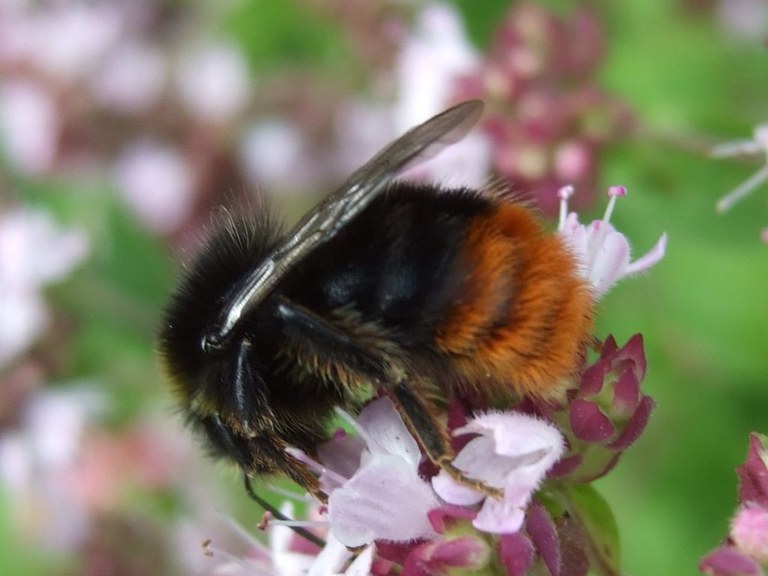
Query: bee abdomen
521, 316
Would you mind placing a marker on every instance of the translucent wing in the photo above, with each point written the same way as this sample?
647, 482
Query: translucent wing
332, 214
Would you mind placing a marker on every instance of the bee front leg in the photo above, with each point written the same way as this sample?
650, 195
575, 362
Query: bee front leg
422, 423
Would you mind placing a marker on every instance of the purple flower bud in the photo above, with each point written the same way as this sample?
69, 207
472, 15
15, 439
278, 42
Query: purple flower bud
753, 474
606, 414
543, 533
435, 558
729, 561
588, 422
516, 552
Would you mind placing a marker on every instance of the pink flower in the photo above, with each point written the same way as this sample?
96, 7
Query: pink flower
36, 461
29, 126
749, 532
213, 82
604, 253
34, 252
131, 78
157, 182
512, 452
385, 498
286, 555
431, 60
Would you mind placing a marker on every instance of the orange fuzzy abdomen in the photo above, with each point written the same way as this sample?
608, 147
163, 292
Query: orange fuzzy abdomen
522, 314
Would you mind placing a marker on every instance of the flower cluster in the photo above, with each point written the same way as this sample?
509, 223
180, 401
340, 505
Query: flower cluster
547, 119
745, 551
390, 511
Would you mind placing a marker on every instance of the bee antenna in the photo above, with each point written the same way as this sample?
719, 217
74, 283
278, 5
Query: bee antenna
303, 532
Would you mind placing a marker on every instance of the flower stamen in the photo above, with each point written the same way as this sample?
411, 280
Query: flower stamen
564, 194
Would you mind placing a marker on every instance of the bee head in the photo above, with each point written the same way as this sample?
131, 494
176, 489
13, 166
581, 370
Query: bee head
219, 383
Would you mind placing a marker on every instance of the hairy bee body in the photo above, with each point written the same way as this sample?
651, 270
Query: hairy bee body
426, 291
386, 287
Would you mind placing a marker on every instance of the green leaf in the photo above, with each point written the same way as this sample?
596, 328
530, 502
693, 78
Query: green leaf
591, 509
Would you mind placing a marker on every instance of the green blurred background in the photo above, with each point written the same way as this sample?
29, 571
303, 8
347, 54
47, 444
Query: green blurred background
703, 310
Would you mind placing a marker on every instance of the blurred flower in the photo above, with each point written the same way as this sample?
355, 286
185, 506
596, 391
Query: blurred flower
274, 153
745, 19
431, 59
29, 126
745, 550
156, 181
131, 78
65, 40
213, 82
547, 120
758, 145
435, 53
35, 460
603, 252
34, 252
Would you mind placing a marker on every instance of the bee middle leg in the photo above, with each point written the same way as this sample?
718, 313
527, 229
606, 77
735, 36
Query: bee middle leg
419, 418
367, 352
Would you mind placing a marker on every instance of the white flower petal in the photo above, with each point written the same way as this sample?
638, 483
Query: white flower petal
453, 492
650, 258
331, 559
385, 500
385, 432
498, 517
514, 452
361, 566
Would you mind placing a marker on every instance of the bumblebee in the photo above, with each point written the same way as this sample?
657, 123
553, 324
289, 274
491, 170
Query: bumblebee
415, 291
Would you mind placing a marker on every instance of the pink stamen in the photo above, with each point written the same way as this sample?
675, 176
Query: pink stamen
743, 190
353, 423
315, 466
300, 523
214, 551
564, 194
613, 193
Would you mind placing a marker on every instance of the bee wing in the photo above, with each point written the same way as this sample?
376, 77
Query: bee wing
332, 214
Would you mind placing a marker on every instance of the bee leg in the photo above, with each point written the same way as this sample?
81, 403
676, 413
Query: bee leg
303, 532
295, 468
362, 350
419, 419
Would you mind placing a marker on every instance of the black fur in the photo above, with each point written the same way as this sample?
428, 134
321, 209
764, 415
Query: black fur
389, 273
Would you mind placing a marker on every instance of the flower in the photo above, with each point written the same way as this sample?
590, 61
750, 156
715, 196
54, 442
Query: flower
143, 168
37, 460
746, 548
757, 145
29, 126
285, 554
385, 498
605, 414
430, 61
749, 531
34, 252
603, 252
547, 119
512, 452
